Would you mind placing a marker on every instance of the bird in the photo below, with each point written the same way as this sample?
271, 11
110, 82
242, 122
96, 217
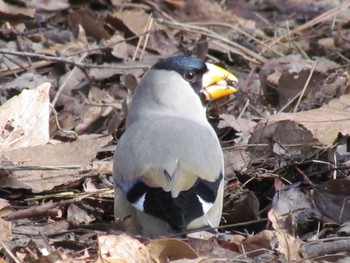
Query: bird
168, 167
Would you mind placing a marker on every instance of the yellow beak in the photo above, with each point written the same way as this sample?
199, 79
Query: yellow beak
218, 82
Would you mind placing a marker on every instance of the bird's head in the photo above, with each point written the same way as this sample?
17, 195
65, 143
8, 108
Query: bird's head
207, 80
181, 86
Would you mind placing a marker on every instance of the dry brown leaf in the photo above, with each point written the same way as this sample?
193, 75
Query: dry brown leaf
169, 249
15, 10
135, 20
294, 210
24, 119
119, 50
90, 22
48, 5
5, 207
283, 78
324, 123
211, 249
77, 216
236, 160
283, 137
25, 81
4, 204
73, 80
332, 200
288, 245
162, 42
240, 206
5, 230
77, 154
255, 244
122, 248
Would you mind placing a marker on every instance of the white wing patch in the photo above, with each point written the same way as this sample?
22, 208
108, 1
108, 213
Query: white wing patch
205, 205
138, 204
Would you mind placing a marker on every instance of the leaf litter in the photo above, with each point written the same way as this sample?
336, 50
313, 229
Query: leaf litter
68, 70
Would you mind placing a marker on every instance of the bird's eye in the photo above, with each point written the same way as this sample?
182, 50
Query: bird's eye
190, 76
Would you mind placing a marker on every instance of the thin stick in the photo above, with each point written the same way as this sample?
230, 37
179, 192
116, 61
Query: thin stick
247, 53
150, 24
9, 252
58, 123
305, 86
144, 36
322, 17
63, 85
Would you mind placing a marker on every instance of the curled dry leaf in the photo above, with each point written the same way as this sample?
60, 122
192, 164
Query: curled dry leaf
169, 249
122, 248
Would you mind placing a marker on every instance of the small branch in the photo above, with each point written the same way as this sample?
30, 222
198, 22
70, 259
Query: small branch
305, 86
245, 52
58, 123
9, 252
38, 211
66, 60
60, 89
324, 248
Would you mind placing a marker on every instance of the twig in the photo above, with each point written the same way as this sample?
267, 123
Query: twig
63, 85
9, 252
58, 123
307, 179
66, 60
109, 45
247, 53
324, 248
244, 109
39, 168
315, 21
221, 227
150, 24
305, 86
240, 31
45, 209
37, 211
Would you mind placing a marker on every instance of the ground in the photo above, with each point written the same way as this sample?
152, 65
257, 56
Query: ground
68, 70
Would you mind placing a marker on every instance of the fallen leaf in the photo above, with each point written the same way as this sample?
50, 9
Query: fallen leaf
53, 165
122, 248
5, 230
324, 123
283, 78
15, 11
24, 119
169, 249
333, 200
48, 5
294, 210
258, 244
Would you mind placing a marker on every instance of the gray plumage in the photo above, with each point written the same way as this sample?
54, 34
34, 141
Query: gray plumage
168, 144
